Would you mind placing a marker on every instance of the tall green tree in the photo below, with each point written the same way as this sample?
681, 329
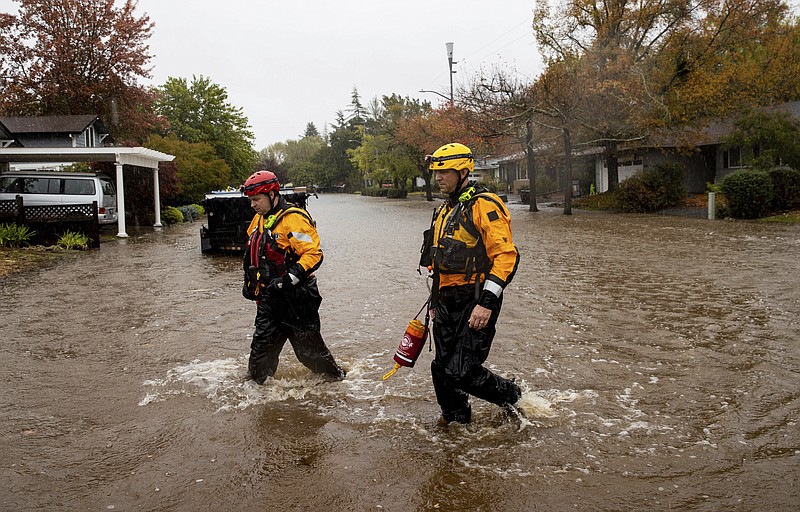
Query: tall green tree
384, 155
382, 159
199, 169
272, 159
300, 158
200, 112
62, 57
346, 133
311, 130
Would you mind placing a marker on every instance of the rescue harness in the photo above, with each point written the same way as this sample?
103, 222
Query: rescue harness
264, 260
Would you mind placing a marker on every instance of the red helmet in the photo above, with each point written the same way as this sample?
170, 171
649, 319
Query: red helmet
260, 182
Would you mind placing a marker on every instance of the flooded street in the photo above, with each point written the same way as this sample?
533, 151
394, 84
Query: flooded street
660, 359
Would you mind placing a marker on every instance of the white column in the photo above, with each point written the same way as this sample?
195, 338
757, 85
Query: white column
120, 203
157, 195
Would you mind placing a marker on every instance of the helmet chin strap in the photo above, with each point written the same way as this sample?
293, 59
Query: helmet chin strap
274, 201
457, 192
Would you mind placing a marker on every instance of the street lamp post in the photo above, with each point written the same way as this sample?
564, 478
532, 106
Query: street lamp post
450, 62
436, 93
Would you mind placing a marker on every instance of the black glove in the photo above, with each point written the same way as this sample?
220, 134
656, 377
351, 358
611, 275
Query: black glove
280, 283
287, 280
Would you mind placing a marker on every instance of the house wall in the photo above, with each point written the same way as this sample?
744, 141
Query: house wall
510, 172
719, 164
88, 138
600, 175
700, 167
44, 141
60, 140
624, 170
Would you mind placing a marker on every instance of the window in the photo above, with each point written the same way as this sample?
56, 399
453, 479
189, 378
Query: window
89, 137
11, 185
108, 188
78, 187
732, 158
41, 186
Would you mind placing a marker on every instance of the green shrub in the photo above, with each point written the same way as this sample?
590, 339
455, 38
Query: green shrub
748, 193
12, 235
71, 240
396, 193
171, 215
652, 189
545, 184
785, 188
634, 196
376, 191
493, 185
605, 201
189, 213
199, 209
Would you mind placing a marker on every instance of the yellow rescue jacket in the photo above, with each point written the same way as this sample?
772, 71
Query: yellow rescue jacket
294, 232
472, 242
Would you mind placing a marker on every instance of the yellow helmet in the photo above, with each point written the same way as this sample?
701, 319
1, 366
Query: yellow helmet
452, 156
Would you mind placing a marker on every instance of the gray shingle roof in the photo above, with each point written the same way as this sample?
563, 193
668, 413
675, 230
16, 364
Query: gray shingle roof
49, 124
714, 131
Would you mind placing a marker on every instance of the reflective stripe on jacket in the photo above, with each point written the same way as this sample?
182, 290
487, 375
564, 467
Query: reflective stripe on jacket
294, 233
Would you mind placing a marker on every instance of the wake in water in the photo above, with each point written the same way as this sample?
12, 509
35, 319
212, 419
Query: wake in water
224, 383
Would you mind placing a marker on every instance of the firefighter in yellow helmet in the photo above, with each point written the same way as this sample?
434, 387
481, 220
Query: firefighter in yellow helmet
473, 258
282, 254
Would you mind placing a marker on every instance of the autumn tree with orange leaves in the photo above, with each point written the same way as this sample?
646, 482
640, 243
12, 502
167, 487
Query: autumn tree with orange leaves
65, 57
643, 64
427, 131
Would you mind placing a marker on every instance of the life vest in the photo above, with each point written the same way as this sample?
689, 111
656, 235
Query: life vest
264, 260
458, 246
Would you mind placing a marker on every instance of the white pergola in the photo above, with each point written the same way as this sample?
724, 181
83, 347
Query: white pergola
121, 156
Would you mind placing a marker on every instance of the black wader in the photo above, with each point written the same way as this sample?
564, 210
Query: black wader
291, 314
457, 368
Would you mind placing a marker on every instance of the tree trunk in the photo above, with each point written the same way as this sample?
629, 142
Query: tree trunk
530, 164
426, 175
567, 172
613, 166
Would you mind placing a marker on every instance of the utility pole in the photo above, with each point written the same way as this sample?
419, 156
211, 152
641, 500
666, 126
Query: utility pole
450, 63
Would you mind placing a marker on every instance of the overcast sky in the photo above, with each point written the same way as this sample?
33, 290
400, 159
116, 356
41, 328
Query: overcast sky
288, 63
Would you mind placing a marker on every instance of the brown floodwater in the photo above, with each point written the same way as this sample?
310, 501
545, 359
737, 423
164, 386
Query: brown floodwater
660, 359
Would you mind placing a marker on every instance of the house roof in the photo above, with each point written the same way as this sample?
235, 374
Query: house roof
486, 163
711, 132
51, 124
139, 156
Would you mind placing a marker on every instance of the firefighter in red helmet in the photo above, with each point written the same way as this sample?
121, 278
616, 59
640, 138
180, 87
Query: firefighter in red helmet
282, 254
